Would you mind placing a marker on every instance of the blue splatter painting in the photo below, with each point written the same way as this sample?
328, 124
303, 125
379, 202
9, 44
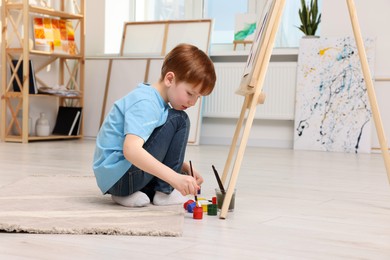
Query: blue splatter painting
332, 110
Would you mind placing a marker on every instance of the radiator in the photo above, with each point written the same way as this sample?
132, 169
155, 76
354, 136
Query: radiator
279, 88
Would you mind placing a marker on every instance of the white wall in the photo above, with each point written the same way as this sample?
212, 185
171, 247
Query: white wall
374, 20
94, 27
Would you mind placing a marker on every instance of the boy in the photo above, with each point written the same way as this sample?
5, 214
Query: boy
141, 145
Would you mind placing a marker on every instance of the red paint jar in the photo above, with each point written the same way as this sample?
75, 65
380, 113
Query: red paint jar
198, 213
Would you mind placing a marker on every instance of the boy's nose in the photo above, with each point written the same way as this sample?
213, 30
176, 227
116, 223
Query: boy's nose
192, 102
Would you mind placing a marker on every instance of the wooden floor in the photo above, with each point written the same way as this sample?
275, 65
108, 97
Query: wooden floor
289, 205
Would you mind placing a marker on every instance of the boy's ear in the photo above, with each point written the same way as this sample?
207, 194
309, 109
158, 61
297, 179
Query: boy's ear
169, 77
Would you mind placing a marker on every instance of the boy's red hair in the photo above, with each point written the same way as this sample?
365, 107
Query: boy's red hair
190, 65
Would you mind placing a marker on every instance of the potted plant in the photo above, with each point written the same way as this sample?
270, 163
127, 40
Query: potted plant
310, 18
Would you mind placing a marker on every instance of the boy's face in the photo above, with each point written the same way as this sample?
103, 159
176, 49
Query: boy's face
183, 95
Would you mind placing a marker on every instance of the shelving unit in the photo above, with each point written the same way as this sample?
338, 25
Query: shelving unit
17, 25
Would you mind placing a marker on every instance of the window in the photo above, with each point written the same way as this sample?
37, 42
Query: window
289, 35
144, 10
160, 10
115, 17
222, 11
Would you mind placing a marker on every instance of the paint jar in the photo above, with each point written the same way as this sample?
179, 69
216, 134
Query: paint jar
198, 213
204, 204
187, 203
212, 209
191, 206
221, 197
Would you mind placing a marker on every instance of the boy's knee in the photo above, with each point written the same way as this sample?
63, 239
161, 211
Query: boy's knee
178, 114
179, 118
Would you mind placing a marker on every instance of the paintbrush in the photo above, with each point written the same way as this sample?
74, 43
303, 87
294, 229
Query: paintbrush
192, 174
218, 180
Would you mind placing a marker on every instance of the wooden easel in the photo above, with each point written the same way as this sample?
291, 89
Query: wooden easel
235, 43
252, 90
369, 85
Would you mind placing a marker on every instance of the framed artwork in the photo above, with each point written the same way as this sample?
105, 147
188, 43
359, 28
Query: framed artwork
332, 110
54, 35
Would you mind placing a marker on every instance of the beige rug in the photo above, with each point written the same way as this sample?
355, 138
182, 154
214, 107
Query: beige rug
74, 205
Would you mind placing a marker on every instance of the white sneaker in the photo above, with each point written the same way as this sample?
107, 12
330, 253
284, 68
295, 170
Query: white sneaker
137, 199
162, 199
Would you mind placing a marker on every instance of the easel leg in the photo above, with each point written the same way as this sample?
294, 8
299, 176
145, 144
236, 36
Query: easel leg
240, 156
235, 139
369, 85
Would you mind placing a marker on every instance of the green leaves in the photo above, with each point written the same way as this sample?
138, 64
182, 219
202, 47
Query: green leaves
309, 16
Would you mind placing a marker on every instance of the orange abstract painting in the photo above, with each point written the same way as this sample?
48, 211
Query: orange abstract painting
55, 35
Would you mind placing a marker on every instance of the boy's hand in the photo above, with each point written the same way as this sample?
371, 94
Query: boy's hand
186, 168
185, 184
198, 178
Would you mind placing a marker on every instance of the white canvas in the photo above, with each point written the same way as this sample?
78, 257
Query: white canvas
332, 108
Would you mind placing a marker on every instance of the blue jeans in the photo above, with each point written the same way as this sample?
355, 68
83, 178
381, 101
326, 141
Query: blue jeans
167, 144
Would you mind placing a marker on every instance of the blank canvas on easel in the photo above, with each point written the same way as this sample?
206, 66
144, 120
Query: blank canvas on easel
157, 38
143, 39
189, 33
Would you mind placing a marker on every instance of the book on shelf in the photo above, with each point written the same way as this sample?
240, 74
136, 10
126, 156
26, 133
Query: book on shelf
68, 121
17, 80
75, 120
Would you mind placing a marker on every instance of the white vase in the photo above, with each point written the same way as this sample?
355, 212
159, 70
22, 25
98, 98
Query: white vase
69, 7
42, 127
41, 3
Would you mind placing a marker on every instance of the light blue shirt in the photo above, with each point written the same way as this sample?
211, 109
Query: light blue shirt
137, 113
